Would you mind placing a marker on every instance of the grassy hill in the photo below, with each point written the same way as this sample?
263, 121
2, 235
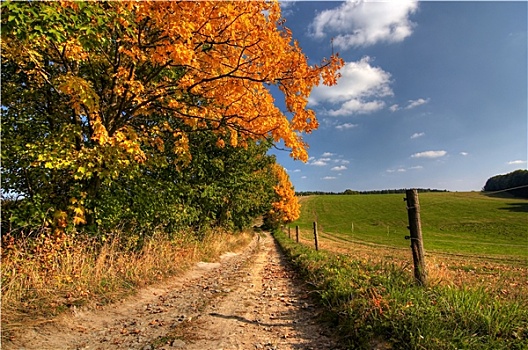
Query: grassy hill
476, 258
453, 222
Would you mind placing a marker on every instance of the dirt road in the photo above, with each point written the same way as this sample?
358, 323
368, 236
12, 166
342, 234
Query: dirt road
249, 300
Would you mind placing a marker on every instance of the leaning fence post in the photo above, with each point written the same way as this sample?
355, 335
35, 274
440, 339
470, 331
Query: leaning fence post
315, 235
415, 228
297, 233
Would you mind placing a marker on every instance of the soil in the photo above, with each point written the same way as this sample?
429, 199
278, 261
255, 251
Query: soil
247, 300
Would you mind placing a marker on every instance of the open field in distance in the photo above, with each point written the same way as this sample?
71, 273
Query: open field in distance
464, 223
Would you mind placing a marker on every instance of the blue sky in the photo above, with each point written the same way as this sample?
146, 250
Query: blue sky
433, 94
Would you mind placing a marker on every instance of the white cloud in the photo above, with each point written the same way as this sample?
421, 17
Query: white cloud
464, 153
429, 154
345, 126
394, 108
356, 107
361, 23
318, 162
286, 7
344, 161
517, 162
327, 154
339, 168
416, 103
358, 91
303, 177
296, 171
329, 178
403, 170
417, 134
410, 104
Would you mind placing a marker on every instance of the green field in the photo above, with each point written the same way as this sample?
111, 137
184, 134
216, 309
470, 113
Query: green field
452, 222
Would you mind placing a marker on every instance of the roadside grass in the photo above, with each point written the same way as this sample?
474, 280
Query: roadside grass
44, 277
374, 303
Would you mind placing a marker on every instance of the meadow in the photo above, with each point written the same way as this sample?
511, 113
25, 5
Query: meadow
476, 257
466, 223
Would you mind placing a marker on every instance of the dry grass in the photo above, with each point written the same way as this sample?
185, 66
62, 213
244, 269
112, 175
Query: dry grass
504, 279
45, 276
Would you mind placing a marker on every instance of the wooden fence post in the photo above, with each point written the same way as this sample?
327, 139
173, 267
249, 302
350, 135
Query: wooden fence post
415, 228
315, 235
289, 232
297, 233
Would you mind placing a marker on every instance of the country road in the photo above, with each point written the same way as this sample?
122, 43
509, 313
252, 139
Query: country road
247, 300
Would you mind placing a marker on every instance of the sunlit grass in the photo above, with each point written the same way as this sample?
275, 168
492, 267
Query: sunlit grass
468, 223
371, 297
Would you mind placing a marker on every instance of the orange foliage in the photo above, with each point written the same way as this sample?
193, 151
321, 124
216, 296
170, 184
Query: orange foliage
287, 208
137, 75
206, 63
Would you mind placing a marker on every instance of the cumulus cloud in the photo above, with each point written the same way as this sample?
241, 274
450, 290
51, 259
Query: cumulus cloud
415, 103
356, 107
329, 178
429, 154
361, 23
464, 153
319, 162
417, 134
517, 162
410, 104
287, 7
359, 90
327, 159
403, 170
345, 126
399, 170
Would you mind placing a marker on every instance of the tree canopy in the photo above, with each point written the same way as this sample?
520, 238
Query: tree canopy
515, 183
99, 94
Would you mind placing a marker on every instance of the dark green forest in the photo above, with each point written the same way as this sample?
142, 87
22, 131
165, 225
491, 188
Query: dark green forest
515, 183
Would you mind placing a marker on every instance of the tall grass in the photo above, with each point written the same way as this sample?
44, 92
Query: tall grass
375, 304
45, 276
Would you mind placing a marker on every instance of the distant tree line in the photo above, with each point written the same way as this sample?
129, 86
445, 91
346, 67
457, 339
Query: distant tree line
353, 192
515, 183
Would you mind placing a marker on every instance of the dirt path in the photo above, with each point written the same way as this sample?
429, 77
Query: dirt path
250, 300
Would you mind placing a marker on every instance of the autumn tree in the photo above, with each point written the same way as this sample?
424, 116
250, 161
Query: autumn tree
97, 92
285, 207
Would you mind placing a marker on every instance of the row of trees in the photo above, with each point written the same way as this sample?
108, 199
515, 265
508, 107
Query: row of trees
515, 183
353, 192
143, 114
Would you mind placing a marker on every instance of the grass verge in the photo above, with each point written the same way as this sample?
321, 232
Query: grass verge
375, 304
46, 276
